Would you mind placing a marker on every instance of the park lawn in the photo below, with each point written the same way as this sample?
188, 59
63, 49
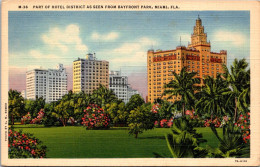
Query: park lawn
77, 142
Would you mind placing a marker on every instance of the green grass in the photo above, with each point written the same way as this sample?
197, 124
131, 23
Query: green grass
77, 142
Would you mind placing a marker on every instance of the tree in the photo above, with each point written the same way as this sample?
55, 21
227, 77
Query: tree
81, 101
140, 119
103, 96
231, 144
183, 141
165, 110
239, 80
49, 119
118, 113
134, 102
34, 106
184, 85
15, 105
212, 101
65, 108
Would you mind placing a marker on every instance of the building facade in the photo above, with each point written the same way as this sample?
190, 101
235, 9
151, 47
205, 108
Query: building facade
196, 57
89, 73
23, 93
131, 92
119, 85
50, 84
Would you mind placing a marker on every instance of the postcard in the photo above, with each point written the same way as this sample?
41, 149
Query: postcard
130, 83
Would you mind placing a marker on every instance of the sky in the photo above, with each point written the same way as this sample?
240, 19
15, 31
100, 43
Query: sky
120, 37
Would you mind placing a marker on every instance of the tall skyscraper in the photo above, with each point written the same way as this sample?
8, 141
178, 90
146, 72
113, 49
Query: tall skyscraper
89, 73
50, 84
197, 57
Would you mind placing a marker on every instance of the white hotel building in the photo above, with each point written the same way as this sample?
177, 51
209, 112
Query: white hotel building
50, 84
119, 85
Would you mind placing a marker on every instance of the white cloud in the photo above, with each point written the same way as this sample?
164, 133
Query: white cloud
105, 37
39, 55
132, 53
235, 38
31, 67
64, 38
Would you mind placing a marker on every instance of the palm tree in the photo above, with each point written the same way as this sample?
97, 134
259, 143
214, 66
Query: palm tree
15, 104
239, 82
103, 96
183, 85
212, 97
65, 108
184, 141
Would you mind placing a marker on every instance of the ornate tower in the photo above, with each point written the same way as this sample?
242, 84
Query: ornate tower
198, 37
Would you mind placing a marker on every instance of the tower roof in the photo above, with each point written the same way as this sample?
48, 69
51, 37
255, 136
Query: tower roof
199, 17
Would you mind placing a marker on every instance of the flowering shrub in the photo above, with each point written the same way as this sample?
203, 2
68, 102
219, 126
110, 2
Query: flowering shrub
215, 121
190, 113
22, 145
194, 119
164, 123
26, 119
161, 121
155, 108
95, 118
38, 119
243, 123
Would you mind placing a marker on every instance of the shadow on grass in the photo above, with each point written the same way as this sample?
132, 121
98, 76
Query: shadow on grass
118, 128
26, 126
152, 137
157, 155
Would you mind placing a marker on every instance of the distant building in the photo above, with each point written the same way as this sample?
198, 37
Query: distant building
50, 84
196, 57
131, 92
23, 93
119, 85
89, 73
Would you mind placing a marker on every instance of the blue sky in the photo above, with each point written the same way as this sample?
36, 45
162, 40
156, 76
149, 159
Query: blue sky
123, 38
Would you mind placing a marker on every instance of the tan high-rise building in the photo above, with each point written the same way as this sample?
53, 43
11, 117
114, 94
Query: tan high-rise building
197, 57
89, 73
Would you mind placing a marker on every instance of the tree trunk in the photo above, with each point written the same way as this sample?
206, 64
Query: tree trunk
65, 121
12, 120
235, 116
136, 134
183, 109
62, 120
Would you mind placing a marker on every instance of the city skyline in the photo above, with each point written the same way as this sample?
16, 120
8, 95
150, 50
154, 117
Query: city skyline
37, 37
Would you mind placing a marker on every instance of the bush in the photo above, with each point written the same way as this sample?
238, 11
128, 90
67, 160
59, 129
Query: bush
26, 119
39, 117
243, 123
24, 145
95, 118
140, 119
184, 141
232, 144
